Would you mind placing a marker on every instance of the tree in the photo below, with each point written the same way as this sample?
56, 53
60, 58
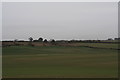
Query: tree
30, 39
15, 42
52, 42
45, 41
40, 39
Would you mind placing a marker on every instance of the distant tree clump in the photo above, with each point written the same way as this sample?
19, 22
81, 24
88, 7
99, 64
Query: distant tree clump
35, 40
110, 39
45, 41
40, 39
15, 42
52, 41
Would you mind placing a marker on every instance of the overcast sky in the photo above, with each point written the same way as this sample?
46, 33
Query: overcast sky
59, 20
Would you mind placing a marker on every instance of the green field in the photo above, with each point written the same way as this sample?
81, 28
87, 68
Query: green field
59, 62
100, 45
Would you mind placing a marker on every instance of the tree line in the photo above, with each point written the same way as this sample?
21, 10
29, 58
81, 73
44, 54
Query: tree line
69, 41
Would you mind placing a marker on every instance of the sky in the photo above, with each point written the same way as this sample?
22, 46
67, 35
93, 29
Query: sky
60, 0
0, 21
59, 20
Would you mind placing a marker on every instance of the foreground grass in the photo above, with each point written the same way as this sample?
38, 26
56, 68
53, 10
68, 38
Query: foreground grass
60, 62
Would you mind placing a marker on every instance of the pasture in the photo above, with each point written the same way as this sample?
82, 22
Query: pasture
59, 62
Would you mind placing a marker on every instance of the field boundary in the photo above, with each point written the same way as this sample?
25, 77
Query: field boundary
99, 47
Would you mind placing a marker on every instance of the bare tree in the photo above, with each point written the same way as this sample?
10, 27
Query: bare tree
30, 41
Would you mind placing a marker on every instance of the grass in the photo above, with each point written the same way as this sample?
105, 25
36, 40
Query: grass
59, 62
100, 45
